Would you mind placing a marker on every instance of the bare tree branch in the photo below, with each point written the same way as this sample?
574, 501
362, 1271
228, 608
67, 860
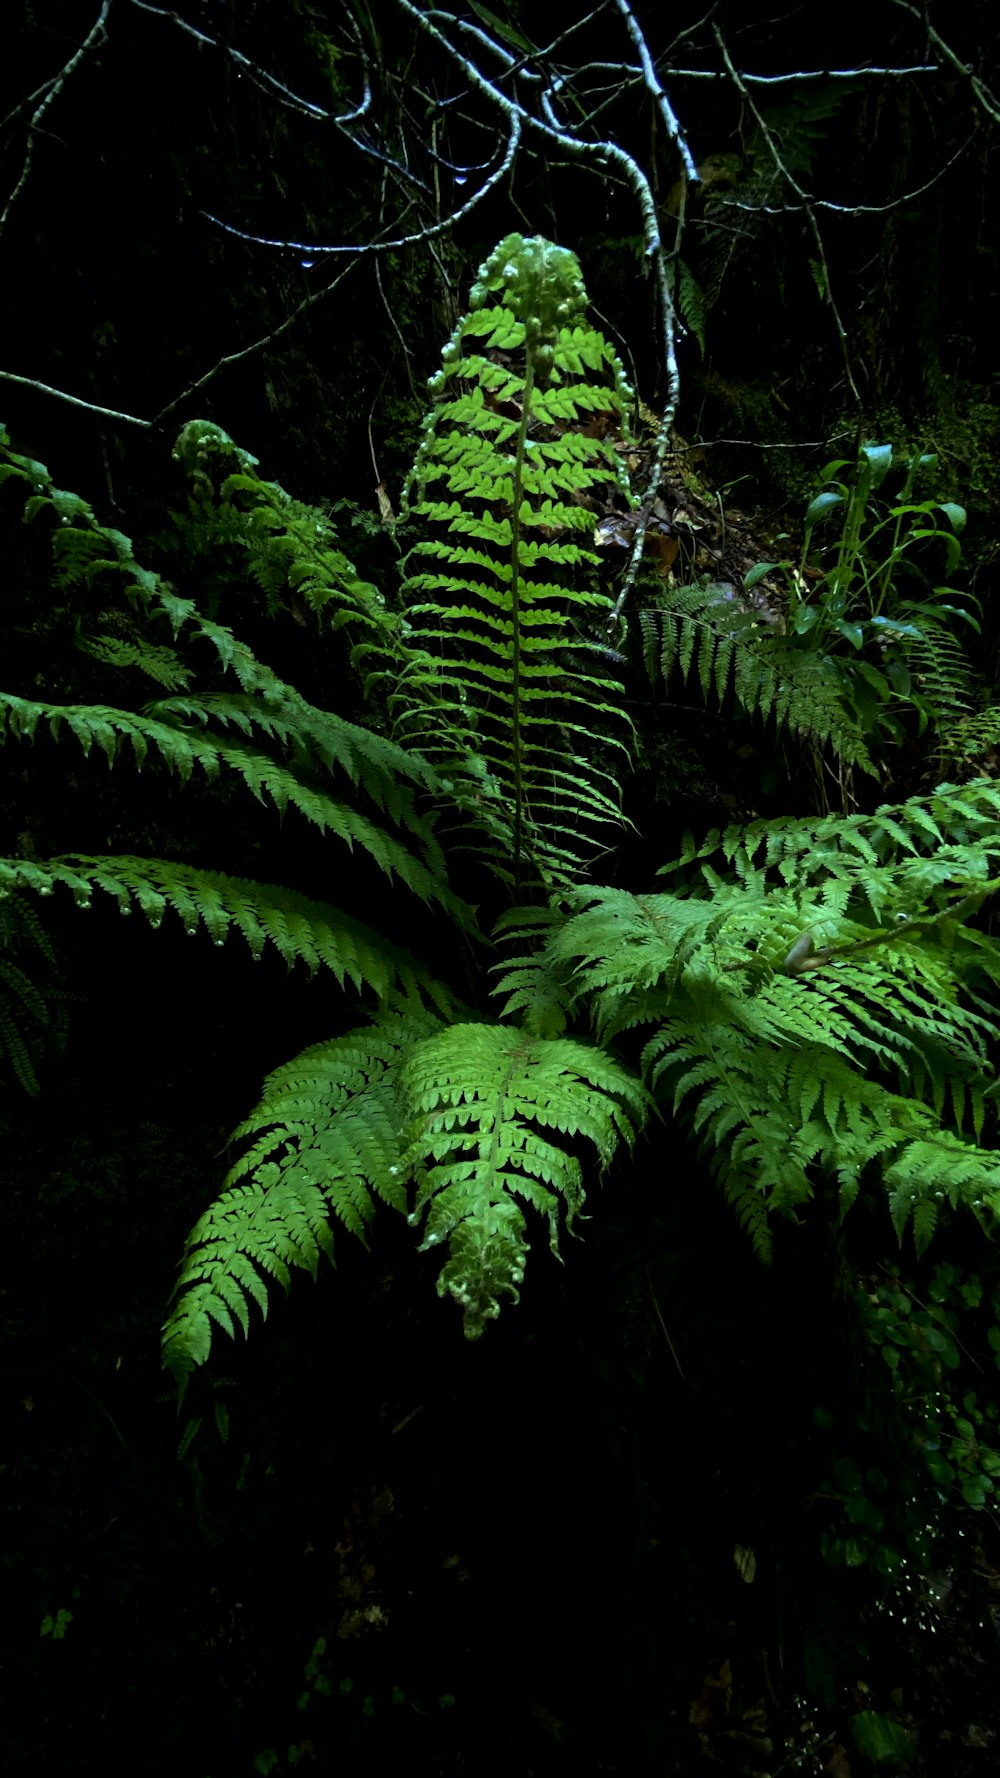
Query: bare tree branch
275, 88
274, 333
906, 197
425, 233
806, 204
653, 86
987, 99
91, 407
51, 91
529, 94
805, 74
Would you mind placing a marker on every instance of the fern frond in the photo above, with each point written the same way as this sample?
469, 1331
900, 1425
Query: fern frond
160, 664
483, 1100
300, 928
703, 627
500, 688
937, 1169
692, 305
265, 1227
837, 1057
32, 999
288, 546
949, 836
536, 984
944, 682
184, 749
324, 1137
388, 774
971, 735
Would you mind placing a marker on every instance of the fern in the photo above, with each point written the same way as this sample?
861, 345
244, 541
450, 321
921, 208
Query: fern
702, 629
299, 928
467, 1112
691, 303
291, 549
501, 598
284, 751
944, 685
32, 999
811, 999
485, 1101
160, 664
184, 749
800, 1039
324, 1138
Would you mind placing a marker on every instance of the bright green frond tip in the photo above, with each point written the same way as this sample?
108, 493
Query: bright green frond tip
500, 1119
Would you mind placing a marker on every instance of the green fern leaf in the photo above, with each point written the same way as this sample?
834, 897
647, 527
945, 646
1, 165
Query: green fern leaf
490, 1110
502, 690
735, 650
299, 928
324, 1138
184, 749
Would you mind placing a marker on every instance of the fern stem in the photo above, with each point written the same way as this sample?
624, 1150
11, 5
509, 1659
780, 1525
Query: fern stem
515, 616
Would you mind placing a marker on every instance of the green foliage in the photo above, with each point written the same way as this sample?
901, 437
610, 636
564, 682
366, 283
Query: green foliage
464, 1112
810, 999
484, 1104
820, 1008
503, 688
324, 1137
850, 648
691, 303
292, 550
881, 1739
32, 1001
866, 604
702, 630
301, 759
940, 1342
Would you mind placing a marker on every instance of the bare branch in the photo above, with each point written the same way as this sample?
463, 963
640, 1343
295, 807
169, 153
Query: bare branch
653, 86
905, 197
308, 302
91, 407
805, 202
275, 88
422, 234
987, 99
803, 74
51, 90
757, 444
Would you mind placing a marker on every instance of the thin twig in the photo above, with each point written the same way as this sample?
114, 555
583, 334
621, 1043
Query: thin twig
54, 88
806, 204
663, 1325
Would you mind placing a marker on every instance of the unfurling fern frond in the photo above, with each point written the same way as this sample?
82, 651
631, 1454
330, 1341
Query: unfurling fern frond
479, 1116
705, 630
503, 688
491, 1108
